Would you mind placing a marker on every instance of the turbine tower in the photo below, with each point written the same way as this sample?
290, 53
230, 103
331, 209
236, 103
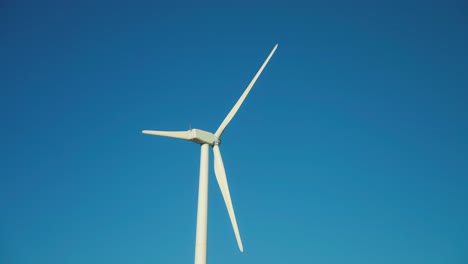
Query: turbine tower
207, 139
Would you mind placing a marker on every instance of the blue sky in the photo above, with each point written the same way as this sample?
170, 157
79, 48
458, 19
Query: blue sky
351, 147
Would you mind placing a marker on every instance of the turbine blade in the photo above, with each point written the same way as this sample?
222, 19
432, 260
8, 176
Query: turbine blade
223, 185
236, 107
187, 135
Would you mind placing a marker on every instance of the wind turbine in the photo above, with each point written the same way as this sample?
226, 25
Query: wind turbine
207, 139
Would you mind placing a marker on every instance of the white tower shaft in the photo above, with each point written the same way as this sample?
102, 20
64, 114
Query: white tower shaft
202, 211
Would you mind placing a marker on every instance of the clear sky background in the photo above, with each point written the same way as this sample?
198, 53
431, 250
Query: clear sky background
351, 148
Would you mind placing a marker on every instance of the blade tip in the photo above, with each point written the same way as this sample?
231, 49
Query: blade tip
241, 246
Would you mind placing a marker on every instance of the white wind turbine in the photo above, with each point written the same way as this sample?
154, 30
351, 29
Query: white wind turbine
206, 139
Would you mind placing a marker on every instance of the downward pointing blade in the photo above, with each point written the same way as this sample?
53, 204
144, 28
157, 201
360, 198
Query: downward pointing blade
236, 107
187, 135
223, 185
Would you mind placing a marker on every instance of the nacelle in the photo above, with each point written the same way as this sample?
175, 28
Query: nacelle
203, 137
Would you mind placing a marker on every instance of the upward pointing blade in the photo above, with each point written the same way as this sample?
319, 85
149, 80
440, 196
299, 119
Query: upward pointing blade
223, 185
236, 107
187, 135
